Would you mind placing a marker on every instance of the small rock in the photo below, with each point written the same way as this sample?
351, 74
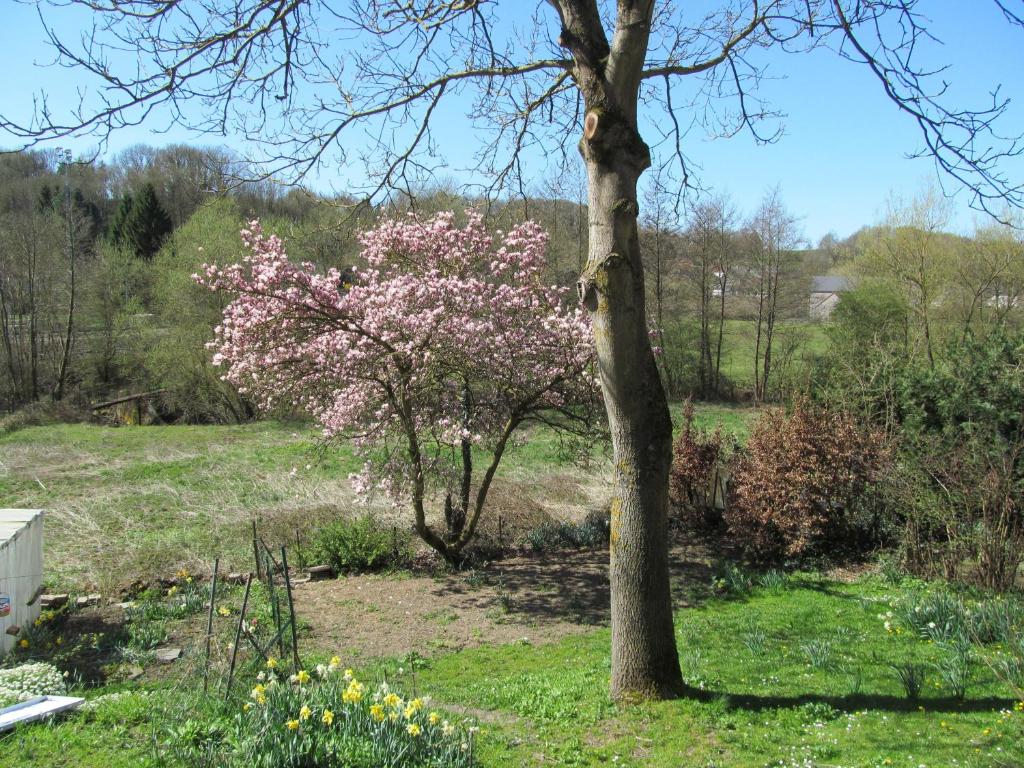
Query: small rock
124, 606
320, 572
14, 630
53, 602
82, 602
167, 655
235, 578
133, 672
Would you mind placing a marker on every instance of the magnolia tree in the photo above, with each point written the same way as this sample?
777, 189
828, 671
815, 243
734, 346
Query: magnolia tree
429, 358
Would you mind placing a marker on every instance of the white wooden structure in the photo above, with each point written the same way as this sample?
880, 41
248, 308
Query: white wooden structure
36, 709
21, 571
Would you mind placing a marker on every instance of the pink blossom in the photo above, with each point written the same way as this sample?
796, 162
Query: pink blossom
446, 335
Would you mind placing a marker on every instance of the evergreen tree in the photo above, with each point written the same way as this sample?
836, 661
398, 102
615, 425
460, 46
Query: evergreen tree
148, 224
117, 233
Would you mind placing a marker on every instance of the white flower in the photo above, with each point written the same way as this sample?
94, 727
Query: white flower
28, 681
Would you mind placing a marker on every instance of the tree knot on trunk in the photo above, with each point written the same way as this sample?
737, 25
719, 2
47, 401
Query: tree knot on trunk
609, 138
597, 278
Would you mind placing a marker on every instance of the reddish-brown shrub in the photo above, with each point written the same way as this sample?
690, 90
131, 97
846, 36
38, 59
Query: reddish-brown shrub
696, 478
797, 481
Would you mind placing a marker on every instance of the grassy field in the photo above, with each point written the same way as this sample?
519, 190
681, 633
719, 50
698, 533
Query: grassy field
139, 502
796, 344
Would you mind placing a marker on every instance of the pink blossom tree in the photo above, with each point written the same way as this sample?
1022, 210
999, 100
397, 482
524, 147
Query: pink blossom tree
429, 357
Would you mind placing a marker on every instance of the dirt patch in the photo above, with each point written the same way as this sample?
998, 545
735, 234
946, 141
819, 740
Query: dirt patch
539, 599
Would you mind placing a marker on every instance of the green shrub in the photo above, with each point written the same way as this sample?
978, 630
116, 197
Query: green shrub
42, 414
731, 580
360, 544
552, 536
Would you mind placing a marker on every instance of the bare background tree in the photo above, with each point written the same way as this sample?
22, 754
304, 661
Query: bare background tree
282, 73
772, 266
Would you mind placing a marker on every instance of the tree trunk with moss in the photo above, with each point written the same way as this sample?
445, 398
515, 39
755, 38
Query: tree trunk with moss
645, 662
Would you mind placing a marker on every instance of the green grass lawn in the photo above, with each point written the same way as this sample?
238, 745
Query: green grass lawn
800, 673
798, 341
759, 699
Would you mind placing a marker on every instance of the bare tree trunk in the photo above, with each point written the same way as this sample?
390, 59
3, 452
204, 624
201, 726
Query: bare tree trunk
69, 332
644, 658
757, 343
769, 336
723, 284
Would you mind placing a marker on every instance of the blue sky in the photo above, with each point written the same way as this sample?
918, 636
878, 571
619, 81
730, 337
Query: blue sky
842, 156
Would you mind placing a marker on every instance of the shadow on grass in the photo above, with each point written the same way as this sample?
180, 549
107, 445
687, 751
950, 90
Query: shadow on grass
848, 703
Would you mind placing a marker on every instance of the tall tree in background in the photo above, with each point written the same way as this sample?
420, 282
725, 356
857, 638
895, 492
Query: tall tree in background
117, 232
710, 242
147, 224
660, 252
229, 63
913, 251
772, 259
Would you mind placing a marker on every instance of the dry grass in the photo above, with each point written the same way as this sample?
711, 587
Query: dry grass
140, 502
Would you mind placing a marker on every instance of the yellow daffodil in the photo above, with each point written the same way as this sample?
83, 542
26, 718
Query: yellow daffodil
392, 700
413, 729
377, 712
302, 677
224, 611
23, 643
271, 663
292, 725
353, 693
349, 674
246, 707
305, 712
328, 717
172, 591
335, 661
409, 712
433, 718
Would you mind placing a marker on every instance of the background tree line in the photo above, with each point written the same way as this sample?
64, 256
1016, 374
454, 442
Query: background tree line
97, 297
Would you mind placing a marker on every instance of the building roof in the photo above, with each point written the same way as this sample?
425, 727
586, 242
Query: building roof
830, 284
12, 521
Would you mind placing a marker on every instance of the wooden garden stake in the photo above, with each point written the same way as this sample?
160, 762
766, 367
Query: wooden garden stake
209, 624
